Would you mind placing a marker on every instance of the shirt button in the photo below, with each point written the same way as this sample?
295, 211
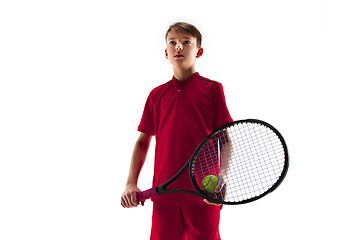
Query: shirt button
179, 90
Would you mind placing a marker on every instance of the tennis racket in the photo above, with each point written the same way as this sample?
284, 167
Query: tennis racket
238, 163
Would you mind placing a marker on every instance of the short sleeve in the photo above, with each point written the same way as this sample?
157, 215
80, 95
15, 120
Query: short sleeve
147, 120
221, 112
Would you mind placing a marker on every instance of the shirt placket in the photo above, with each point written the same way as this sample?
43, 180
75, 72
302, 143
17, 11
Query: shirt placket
179, 92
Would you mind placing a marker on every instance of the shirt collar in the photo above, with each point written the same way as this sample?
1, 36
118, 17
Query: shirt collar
194, 76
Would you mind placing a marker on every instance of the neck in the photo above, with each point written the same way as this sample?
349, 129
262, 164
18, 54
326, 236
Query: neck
182, 75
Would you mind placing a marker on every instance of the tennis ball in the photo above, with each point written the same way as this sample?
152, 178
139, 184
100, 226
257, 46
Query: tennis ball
209, 183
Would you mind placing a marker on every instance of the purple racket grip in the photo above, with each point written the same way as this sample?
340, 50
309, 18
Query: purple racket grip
142, 196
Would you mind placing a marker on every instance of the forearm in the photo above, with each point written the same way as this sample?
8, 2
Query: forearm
225, 154
138, 158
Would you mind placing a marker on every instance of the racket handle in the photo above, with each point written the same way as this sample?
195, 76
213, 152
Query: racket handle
142, 196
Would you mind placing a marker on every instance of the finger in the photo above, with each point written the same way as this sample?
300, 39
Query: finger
123, 202
211, 203
127, 201
220, 184
221, 188
133, 199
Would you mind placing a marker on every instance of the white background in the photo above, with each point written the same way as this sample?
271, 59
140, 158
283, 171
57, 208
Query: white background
75, 76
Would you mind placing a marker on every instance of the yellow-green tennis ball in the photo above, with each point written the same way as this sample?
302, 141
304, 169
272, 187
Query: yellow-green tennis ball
209, 183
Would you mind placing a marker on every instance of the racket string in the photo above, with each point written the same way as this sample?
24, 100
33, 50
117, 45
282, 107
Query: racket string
249, 156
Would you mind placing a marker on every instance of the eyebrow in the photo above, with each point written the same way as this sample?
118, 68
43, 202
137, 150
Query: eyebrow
175, 38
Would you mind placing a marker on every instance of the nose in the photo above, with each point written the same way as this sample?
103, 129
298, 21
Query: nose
178, 47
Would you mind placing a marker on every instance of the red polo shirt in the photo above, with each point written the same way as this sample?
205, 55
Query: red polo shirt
181, 115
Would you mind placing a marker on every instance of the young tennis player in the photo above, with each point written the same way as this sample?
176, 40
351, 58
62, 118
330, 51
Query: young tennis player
180, 114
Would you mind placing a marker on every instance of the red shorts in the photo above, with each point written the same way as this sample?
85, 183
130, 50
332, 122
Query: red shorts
182, 221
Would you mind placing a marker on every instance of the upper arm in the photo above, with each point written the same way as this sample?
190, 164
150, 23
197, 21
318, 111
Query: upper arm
221, 112
147, 123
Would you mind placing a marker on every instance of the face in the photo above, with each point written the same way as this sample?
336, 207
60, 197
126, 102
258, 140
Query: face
181, 49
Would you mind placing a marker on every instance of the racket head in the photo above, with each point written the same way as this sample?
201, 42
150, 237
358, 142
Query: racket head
254, 161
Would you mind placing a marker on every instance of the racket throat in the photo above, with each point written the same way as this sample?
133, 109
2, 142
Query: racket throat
162, 189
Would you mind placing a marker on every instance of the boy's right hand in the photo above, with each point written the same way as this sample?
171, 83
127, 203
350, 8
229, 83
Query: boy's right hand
128, 198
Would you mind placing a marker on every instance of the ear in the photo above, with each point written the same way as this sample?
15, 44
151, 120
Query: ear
166, 54
200, 52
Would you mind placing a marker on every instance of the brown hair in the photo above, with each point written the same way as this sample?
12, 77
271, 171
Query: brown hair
187, 28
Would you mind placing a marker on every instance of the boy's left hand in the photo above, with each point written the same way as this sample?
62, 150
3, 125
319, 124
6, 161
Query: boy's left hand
220, 193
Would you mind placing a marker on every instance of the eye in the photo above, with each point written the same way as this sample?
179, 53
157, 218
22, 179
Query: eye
172, 42
187, 42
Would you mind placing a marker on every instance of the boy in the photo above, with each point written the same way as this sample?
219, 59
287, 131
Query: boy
180, 113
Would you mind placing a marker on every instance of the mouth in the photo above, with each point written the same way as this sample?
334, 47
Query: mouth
178, 56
